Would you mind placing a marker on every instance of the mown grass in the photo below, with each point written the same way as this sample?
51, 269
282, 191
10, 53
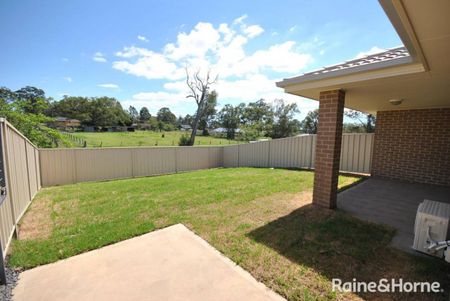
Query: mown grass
262, 219
145, 138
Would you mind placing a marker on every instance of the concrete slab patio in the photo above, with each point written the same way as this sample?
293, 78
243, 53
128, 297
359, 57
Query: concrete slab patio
392, 203
168, 264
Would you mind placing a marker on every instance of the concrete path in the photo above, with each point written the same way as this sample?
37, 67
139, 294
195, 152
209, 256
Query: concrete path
168, 264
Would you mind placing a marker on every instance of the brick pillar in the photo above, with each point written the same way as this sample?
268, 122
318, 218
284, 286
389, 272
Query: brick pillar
328, 148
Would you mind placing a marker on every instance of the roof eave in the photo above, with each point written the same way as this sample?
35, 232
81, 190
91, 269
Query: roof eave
349, 78
355, 70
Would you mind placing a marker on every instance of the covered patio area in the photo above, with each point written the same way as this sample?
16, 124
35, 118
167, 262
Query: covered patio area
407, 89
393, 203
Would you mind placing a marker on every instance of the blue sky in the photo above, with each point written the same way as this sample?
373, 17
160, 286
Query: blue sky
136, 51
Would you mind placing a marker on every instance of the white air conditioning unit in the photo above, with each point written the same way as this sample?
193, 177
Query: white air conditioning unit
432, 225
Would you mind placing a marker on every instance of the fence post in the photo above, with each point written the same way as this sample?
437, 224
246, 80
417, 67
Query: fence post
2, 267
28, 169
268, 153
176, 159
239, 155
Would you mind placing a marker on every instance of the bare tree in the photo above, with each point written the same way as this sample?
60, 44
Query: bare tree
199, 91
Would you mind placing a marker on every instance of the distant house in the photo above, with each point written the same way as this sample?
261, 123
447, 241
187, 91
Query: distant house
63, 123
185, 127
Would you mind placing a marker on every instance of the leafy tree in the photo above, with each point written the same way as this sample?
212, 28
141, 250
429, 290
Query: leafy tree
164, 115
208, 112
258, 117
133, 114
188, 120
144, 114
93, 111
75, 107
284, 123
349, 127
32, 100
309, 124
229, 117
367, 121
199, 91
32, 125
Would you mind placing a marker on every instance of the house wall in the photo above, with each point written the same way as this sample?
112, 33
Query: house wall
413, 146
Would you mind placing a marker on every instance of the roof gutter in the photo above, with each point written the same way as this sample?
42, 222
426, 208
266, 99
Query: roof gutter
395, 11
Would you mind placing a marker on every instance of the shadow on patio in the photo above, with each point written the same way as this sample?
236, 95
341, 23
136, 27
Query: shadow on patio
337, 245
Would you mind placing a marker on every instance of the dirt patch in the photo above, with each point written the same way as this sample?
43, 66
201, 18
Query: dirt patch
37, 223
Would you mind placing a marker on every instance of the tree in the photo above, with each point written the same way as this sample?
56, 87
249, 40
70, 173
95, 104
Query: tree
208, 113
229, 117
32, 100
285, 125
144, 114
259, 117
133, 114
72, 107
32, 125
164, 115
367, 121
309, 124
92, 111
199, 91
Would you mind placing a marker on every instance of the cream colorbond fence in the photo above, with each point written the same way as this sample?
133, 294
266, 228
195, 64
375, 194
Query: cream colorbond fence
21, 171
299, 152
68, 166
27, 168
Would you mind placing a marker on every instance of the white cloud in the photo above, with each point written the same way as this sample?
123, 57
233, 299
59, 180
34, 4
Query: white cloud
148, 64
373, 50
253, 30
243, 75
293, 28
196, 44
108, 86
142, 38
68, 79
99, 57
64, 59
240, 20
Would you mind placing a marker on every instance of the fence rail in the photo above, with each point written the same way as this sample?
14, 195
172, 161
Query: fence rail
21, 171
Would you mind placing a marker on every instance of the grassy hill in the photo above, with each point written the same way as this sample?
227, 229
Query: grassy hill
144, 138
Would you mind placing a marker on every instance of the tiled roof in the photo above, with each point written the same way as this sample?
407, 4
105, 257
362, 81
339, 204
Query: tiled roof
390, 57
390, 54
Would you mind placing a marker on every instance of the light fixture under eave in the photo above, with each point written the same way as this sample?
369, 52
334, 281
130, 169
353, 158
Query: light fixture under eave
395, 102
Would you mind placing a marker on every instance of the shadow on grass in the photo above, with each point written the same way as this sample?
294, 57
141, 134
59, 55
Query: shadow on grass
337, 245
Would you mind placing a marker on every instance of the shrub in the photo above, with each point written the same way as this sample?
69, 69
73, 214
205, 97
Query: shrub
184, 140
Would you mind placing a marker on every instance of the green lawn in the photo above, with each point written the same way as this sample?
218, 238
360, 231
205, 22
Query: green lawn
144, 138
262, 219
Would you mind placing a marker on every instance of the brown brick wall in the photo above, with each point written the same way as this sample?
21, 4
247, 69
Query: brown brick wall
328, 148
413, 146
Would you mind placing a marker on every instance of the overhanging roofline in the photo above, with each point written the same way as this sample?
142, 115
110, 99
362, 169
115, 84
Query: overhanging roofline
391, 59
350, 67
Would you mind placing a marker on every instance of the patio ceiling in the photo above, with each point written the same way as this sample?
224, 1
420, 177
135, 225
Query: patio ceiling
421, 79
